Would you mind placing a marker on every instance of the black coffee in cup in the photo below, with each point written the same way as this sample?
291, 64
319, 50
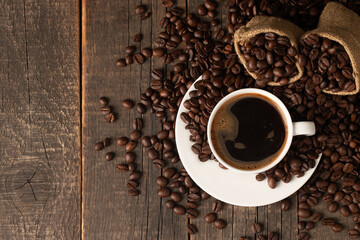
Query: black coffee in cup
248, 131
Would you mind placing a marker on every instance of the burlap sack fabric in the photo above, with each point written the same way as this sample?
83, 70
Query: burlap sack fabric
264, 24
336, 23
342, 25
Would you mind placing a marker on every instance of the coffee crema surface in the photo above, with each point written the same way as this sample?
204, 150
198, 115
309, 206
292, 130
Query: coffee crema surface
248, 132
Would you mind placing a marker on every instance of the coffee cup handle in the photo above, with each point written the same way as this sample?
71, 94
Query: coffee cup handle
304, 128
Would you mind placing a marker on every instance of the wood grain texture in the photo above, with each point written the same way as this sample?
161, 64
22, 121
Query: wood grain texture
40, 195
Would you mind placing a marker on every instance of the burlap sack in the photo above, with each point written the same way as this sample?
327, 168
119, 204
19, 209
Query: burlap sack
342, 25
264, 24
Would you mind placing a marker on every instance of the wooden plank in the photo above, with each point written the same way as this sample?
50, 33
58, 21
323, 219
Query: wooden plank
289, 220
40, 191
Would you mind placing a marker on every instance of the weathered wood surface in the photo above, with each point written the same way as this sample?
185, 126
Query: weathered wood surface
40, 181
41, 142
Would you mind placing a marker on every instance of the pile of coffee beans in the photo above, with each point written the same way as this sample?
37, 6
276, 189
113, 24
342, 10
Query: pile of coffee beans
271, 57
328, 64
207, 50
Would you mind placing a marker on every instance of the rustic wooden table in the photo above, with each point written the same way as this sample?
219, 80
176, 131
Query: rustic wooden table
57, 58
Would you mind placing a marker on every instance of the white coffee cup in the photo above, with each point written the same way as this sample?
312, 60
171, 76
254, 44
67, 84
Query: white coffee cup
293, 128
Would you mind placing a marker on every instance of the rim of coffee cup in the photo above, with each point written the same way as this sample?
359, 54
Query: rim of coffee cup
284, 113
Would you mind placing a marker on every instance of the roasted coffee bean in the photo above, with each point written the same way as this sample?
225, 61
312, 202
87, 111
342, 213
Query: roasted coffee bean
316, 217
261, 237
121, 62
140, 108
99, 146
273, 236
210, 4
333, 207
137, 38
132, 166
272, 182
122, 141
220, 223
260, 177
256, 228
175, 196
158, 52
170, 204
140, 9
285, 205
191, 228
192, 213
204, 195
104, 101
216, 206
129, 50
147, 52
145, 141
145, 16
161, 181
122, 167
134, 192
137, 124
353, 234
106, 142
301, 225
303, 236
179, 210
105, 110
304, 213
127, 103
135, 135
138, 58
309, 225
132, 184
109, 156
167, 3
135, 175
131, 145
169, 172
110, 117
337, 227
152, 154
164, 192
210, 217
328, 221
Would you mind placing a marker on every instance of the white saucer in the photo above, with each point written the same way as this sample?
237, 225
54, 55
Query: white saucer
227, 185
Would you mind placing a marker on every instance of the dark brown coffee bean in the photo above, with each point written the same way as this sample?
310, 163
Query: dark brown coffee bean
204, 195
164, 192
220, 223
134, 192
106, 142
105, 110
147, 52
285, 205
158, 52
129, 50
140, 9
132, 166
122, 141
152, 154
109, 156
316, 217
110, 117
256, 228
131, 145
272, 182
140, 108
169, 172
333, 207
261, 237
135, 175
337, 227
309, 225
345, 211
191, 228
170, 204
138, 58
303, 236
137, 38
304, 213
99, 146
328, 221
135, 135
132, 184
127, 103
145, 141
179, 210
104, 101
161, 181
192, 213
210, 217
216, 206
122, 167
175, 196
121, 62
301, 225
353, 234
210, 4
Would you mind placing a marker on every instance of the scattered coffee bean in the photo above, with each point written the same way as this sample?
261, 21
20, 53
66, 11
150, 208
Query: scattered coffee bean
140, 108
109, 156
107, 142
216, 206
337, 227
121, 62
255, 228
99, 146
192, 213
135, 135
131, 145
191, 228
179, 210
129, 157
210, 217
285, 204
127, 103
140, 9
122, 167
134, 192
164, 192
137, 37
135, 175
161, 181
122, 141
104, 101
220, 223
